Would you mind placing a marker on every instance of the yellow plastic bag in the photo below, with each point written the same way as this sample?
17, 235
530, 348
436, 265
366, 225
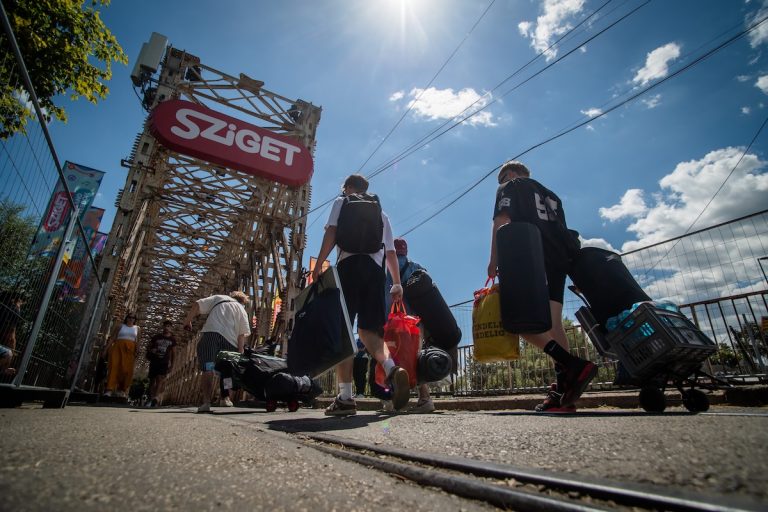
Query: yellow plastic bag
492, 342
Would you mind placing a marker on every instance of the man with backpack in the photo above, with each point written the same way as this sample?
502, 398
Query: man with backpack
226, 328
362, 232
522, 199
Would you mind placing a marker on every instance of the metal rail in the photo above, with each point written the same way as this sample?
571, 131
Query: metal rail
439, 471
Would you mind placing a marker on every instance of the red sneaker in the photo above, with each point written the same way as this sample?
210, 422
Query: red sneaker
552, 403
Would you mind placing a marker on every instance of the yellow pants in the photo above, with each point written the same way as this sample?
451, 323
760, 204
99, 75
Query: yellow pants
121, 359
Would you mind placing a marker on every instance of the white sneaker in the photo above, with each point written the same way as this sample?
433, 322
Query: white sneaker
107, 393
204, 408
425, 407
227, 402
387, 406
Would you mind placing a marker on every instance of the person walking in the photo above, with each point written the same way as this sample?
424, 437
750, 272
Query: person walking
122, 357
522, 199
10, 315
362, 232
226, 328
160, 356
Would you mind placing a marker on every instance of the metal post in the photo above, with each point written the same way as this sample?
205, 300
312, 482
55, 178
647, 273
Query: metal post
46, 298
87, 342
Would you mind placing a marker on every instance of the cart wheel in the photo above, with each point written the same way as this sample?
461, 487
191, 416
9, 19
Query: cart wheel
652, 400
271, 405
695, 400
293, 406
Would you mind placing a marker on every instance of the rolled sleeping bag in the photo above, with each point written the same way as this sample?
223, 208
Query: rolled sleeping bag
524, 295
433, 365
284, 386
426, 302
605, 282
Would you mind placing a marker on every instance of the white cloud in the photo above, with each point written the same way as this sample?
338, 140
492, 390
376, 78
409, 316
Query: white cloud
554, 21
632, 204
743, 78
434, 104
716, 262
590, 127
657, 63
760, 34
762, 83
592, 112
685, 192
397, 96
746, 110
653, 101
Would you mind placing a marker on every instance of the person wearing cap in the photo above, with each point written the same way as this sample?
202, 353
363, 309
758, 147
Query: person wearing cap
424, 404
522, 199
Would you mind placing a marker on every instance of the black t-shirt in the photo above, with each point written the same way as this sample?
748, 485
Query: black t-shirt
159, 347
527, 200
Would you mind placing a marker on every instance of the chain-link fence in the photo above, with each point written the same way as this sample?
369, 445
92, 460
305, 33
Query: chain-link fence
47, 272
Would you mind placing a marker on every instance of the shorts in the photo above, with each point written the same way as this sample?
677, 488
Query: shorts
555, 280
210, 344
158, 368
362, 282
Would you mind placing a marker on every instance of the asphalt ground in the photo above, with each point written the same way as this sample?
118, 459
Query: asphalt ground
121, 458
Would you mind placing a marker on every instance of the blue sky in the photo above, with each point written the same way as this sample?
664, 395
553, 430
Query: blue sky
640, 174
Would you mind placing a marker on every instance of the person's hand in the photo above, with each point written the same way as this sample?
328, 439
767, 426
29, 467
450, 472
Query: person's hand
316, 273
396, 292
492, 271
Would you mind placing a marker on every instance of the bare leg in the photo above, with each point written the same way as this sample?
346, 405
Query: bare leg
423, 393
206, 386
557, 332
374, 344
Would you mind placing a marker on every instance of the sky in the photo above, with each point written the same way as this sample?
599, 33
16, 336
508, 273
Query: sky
636, 175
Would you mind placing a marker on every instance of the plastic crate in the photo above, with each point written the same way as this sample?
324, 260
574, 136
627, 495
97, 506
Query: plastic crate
653, 342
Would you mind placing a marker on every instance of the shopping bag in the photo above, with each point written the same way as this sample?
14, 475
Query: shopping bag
401, 334
492, 341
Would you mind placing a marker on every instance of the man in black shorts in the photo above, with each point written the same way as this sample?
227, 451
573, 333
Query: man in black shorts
363, 234
521, 199
160, 357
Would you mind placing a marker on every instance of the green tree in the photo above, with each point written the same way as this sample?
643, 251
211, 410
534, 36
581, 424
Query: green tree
66, 48
16, 233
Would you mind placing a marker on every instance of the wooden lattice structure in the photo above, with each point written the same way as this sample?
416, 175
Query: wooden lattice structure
187, 228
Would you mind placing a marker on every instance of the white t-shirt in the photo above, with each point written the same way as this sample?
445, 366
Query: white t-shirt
128, 333
228, 318
389, 241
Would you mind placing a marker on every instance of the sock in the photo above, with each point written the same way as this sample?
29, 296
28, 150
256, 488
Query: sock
560, 377
388, 365
558, 353
345, 390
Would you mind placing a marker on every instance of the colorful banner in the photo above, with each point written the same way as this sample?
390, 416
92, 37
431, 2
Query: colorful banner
72, 272
83, 183
79, 294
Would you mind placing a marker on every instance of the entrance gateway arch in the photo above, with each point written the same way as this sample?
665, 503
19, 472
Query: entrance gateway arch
215, 200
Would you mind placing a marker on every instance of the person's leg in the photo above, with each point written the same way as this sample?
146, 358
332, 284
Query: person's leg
206, 348
113, 368
206, 387
359, 372
159, 389
128, 361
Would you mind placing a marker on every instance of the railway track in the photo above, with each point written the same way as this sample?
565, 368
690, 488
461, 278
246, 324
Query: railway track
516, 488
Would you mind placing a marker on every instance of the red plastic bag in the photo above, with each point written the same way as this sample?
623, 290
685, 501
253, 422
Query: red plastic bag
401, 334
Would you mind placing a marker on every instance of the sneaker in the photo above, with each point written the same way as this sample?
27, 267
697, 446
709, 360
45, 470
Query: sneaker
227, 402
386, 406
576, 380
398, 385
204, 408
341, 407
107, 393
424, 407
552, 403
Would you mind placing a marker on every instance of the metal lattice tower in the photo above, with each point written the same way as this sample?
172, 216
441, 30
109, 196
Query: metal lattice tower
187, 228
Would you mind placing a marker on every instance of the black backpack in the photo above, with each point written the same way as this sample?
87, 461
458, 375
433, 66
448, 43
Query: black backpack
360, 229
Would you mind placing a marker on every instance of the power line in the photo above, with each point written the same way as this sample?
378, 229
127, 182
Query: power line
434, 77
677, 241
642, 92
407, 152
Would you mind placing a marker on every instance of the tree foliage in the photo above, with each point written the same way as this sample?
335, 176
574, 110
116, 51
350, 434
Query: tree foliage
66, 48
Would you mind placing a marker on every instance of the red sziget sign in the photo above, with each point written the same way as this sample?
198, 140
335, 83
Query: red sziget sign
203, 133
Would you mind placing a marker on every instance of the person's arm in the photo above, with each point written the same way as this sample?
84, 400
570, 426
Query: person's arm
329, 242
191, 314
493, 263
241, 343
394, 269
